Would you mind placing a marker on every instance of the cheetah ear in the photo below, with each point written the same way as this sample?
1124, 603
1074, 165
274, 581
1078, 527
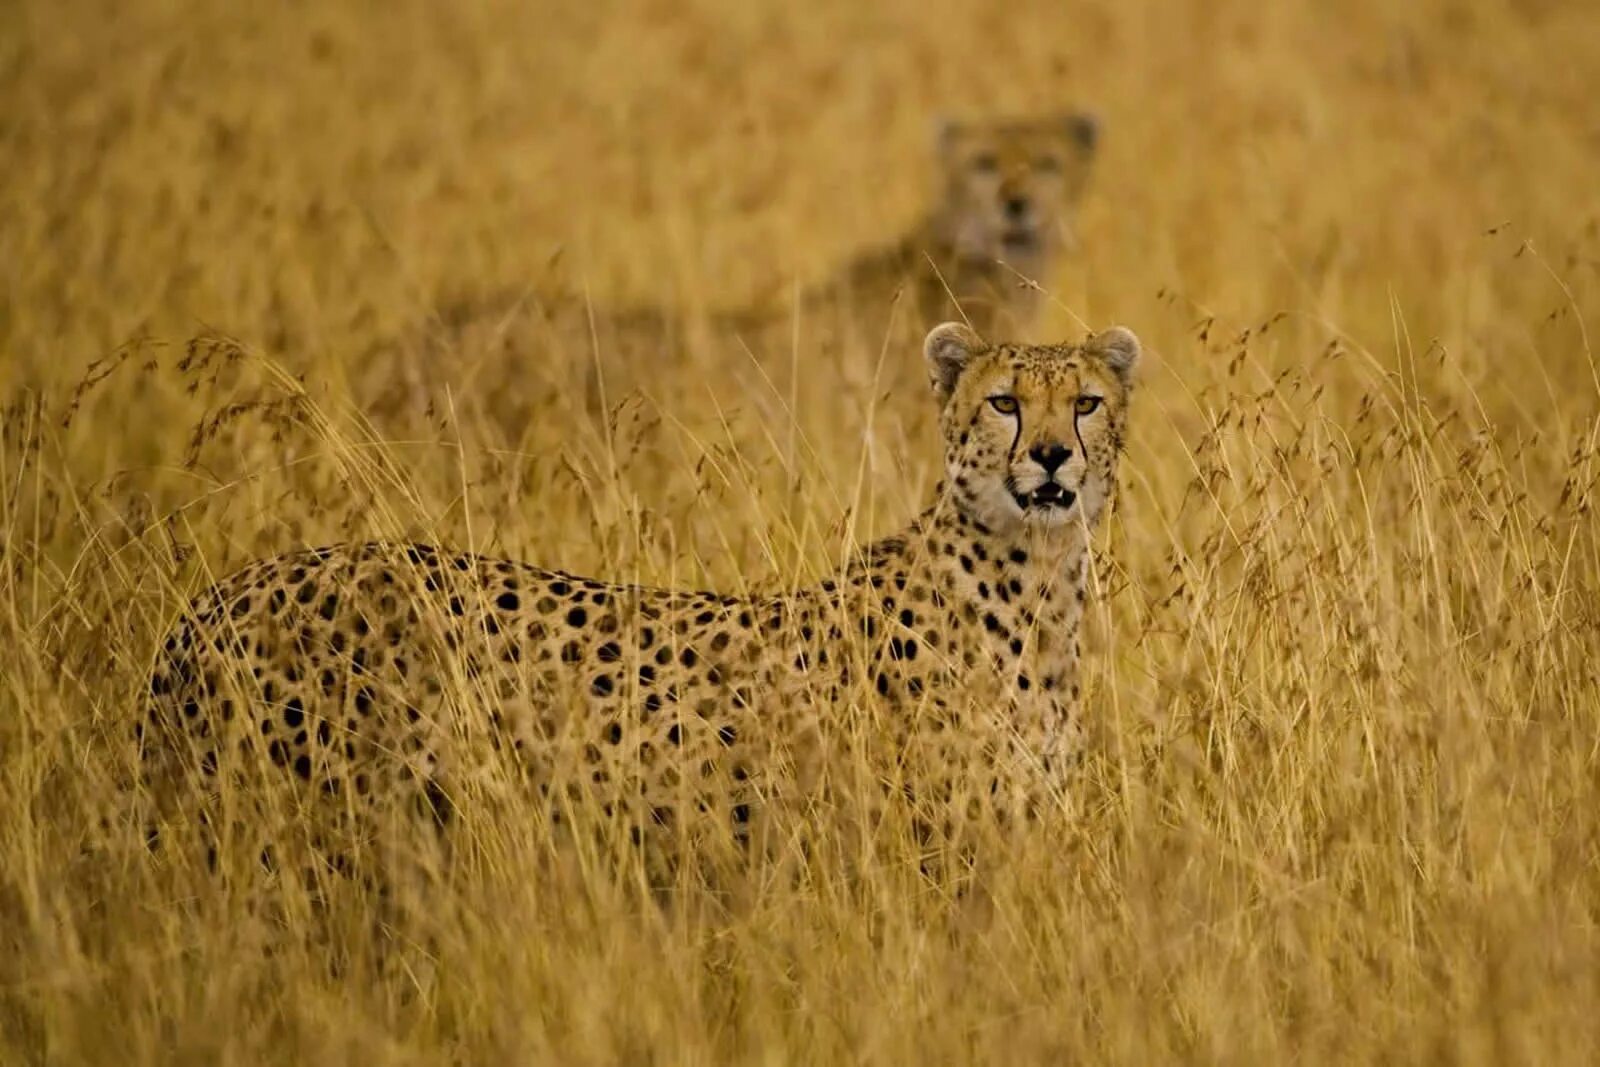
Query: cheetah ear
948, 350
1119, 348
946, 131
1083, 130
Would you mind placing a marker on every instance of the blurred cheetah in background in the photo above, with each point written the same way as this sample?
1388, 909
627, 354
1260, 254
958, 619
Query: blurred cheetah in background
354, 684
1008, 192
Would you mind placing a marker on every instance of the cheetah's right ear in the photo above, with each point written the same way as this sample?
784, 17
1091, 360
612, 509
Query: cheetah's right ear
948, 350
946, 132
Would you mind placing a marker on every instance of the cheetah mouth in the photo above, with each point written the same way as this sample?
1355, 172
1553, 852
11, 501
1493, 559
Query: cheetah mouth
1045, 498
1020, 239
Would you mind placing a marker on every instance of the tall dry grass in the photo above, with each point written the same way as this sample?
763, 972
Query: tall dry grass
1341, 798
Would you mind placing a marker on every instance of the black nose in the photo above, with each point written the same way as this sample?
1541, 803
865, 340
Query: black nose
1049, 456
1016, 206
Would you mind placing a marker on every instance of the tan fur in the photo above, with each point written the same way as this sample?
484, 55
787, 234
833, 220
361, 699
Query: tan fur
349, 682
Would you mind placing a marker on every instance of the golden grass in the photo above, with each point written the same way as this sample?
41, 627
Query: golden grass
1341, 802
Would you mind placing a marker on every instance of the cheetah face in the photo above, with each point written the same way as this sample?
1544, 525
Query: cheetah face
1032, 432
1010, 186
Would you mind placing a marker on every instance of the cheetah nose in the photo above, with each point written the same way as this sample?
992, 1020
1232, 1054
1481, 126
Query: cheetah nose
1049, 456
1016, 206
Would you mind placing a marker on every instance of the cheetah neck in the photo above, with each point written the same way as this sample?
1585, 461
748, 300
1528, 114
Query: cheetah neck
1017, 599
991, 290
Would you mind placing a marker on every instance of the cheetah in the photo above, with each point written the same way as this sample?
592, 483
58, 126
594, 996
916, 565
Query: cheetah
367, 682
1007, 193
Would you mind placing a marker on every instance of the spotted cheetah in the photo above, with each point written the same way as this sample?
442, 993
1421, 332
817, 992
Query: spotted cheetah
1008, 190
361, 682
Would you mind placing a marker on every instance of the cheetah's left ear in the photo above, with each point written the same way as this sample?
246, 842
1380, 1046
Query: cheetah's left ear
1083, 130
1119, 348
948, 350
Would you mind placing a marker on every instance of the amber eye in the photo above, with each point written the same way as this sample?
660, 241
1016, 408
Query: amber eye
1085, 404
1005, 405
985, 163
1047, 164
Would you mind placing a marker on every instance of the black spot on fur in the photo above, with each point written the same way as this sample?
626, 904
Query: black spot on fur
438, 803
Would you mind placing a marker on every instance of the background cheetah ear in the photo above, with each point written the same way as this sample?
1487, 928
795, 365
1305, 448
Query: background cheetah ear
1119, 348
948, 350
1083, 130
946, 132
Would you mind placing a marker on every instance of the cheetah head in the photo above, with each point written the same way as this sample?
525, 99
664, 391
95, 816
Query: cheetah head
1010, 186
1031, 432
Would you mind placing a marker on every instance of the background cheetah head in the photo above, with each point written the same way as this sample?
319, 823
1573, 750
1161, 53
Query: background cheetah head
1010, 186
1031, 432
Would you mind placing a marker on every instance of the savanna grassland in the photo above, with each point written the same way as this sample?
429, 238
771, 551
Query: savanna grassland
1342, 796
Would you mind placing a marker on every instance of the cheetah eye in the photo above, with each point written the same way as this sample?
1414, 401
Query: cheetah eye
1047, 164
1085, 404
1005, 405
985, 163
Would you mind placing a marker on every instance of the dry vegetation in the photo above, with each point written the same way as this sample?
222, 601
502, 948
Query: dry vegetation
1343, 800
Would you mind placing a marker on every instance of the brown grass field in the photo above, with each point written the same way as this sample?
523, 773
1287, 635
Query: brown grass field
1342, 801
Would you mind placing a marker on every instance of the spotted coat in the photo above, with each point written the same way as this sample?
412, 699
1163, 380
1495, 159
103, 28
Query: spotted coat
361, 680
